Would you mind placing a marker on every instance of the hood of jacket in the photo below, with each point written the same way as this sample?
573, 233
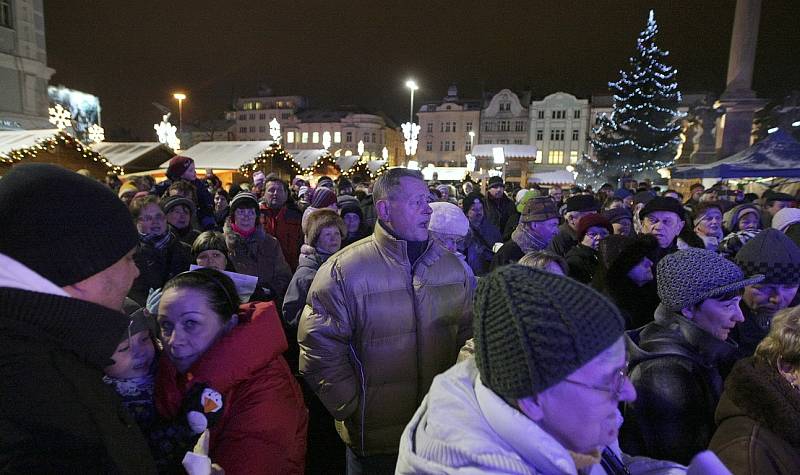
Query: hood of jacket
310, 258
756, 390
235, 357
673, 334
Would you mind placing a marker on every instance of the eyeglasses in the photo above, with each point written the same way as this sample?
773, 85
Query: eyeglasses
615, 388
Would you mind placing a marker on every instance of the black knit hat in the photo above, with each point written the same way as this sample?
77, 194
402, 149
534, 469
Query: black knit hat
62, 225
469, 200
170, 202
773, 254
495, 181
582, 203
534, 328
663, 203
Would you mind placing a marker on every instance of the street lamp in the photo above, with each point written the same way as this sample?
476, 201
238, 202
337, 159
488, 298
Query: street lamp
411, 84
180, 97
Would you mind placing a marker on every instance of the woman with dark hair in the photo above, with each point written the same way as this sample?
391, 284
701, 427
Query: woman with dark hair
251, 250
210, 250
211, 340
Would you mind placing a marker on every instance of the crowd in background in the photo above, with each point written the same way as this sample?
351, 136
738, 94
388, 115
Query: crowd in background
405, 326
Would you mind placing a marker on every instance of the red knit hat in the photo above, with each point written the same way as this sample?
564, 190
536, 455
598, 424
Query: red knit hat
592, 220
177, 166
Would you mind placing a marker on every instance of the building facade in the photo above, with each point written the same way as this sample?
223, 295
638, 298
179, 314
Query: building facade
24, 74
252, 115
559, 127
310, 129
448, 130
504, 120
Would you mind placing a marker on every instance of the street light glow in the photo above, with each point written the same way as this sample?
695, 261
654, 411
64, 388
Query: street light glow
411, 84
179, 96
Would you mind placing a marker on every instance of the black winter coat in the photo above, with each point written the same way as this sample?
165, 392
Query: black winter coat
157, 266
562, 242
582, 261
500, 211
509, 253
57, 415
674, 368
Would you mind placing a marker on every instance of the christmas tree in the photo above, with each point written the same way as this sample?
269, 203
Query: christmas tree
642, 133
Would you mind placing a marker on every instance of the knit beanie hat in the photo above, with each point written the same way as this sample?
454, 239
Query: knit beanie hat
495, 181
243, 198
351, 207
582, 203
622, 193
448, 218
343, 200
773, 254
302, 191
170, 202
87, 228
785, 218
177, 166
325, 182
529, 194
319, 220
127, 188
469, 200
615, 215
534, 328
592, 220
518, 197
323, 197
731, 218
663, 203
688, 277
539, 208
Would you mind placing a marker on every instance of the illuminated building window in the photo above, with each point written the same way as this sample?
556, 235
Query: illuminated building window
555, 156
337, 137
573, 156
315, 137
304, 137
538, 156
289, 137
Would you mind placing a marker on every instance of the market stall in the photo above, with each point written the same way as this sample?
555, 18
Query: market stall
52, 146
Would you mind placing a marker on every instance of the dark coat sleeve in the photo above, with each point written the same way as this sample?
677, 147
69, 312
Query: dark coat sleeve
295, 300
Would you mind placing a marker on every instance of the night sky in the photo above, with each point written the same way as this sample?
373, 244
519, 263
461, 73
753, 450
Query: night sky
133, 53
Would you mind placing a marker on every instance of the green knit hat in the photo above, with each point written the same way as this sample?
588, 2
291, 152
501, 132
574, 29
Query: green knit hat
533, 329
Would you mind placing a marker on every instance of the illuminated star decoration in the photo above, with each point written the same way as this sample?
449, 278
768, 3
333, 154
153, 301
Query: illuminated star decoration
60, 117
275, 130
166, 133
96, 133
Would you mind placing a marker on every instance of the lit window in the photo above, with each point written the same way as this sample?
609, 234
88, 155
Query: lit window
555, 156
248, 106
304, 137
337, 137
315, 137
289, 137
573, 156
538, 156
259, 105
279, 104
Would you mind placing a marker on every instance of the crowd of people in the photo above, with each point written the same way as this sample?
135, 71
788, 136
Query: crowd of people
398, 326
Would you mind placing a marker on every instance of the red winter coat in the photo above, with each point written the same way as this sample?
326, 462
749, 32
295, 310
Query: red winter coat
264, 420
285, 226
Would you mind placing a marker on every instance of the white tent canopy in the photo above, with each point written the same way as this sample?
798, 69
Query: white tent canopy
224, 155
123, 153
552, 177
444, 173
509, 151
21, 139
307, 158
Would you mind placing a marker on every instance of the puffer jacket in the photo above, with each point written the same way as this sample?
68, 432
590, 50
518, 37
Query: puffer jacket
264, 420
674, 366
463, 427
284, 225
377, 330
758, 432
259, 255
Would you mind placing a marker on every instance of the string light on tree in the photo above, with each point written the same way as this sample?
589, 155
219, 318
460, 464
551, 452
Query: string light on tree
60, 117
643, 131
96, 133
166, 133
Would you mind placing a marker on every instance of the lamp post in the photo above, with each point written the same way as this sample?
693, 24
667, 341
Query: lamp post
180, 97
411, 84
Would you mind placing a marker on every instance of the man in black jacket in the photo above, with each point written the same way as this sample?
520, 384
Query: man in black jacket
675, 360
578, 206
62, 285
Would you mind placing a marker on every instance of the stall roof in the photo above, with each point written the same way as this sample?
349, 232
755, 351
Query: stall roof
510, 151
134, 156
778, 155
224, 155
22, 139
555, 177
307, 158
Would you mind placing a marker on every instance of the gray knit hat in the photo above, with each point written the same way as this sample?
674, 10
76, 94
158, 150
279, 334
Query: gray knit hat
688, 277
534, 328
773, 254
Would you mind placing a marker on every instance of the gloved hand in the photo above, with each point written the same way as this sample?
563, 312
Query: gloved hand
153, 299
202, 406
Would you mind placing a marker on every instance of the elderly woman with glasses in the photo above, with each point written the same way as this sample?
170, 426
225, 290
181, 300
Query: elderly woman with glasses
759, 413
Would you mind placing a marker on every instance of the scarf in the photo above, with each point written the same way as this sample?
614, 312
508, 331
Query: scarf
242, 232
526, 240
159, 242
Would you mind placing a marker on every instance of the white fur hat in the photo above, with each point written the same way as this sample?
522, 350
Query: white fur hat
785, 218
448, 218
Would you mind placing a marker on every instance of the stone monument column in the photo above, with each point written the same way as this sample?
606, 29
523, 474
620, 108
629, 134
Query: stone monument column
739, 101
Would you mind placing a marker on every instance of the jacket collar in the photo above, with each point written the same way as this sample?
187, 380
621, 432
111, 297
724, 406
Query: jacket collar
711, 350
90, 331
397, 249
